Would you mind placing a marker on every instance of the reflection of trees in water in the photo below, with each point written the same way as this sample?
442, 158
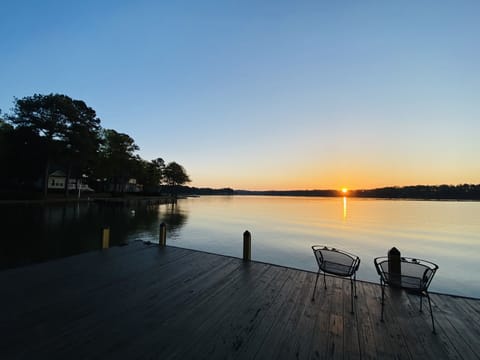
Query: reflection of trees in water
34, 233
174, 218
130, 221
41, 232
58, 214
142, 221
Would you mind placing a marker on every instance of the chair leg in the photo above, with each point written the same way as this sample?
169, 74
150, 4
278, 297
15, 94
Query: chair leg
324, 281
431, 313
351, 293
315, 288
355, 283
382, 285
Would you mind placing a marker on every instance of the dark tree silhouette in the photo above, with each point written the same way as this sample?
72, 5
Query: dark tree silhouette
47, 131
63, 125
175, 174
82, 138
151, 174
117, 161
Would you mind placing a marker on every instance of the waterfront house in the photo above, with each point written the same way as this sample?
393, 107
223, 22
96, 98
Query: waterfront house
56, 181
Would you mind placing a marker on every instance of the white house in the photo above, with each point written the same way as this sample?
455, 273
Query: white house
56, 180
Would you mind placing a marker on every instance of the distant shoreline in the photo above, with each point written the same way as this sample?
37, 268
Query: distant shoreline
417, 192
465, 192
165, 201
361, 197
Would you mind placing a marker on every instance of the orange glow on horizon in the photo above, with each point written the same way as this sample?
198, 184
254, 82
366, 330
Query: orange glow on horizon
341, 181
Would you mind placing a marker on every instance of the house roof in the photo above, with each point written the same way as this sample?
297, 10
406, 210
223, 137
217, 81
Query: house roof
58, 173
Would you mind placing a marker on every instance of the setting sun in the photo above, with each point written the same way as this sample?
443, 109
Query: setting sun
344, 190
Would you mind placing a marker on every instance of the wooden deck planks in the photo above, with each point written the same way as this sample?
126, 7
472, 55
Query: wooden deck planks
278, 342
351, 341
367, 315
416, 326
453, 320
266, 316
142, 301
222, 319
298, 331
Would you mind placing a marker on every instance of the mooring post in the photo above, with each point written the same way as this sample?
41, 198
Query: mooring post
106, 238
395, 266
162, 241
247, 246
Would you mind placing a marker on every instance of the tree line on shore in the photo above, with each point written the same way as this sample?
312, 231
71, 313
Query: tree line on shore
434, 192
44, 133
424, 192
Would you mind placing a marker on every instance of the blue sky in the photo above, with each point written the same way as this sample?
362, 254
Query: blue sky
265, 94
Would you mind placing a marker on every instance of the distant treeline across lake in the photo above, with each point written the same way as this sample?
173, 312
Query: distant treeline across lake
427, 192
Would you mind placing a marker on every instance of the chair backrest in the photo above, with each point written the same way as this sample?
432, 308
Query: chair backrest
415, 274
325, 254
422, 269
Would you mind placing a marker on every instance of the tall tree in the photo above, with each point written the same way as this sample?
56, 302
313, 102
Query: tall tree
175, 175
5, 149
117, 158
65, 126
82, 138
149, 174
155, 173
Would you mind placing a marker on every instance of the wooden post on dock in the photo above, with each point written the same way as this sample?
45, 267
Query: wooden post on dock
106, 238
247, 246
395, 266
162, 241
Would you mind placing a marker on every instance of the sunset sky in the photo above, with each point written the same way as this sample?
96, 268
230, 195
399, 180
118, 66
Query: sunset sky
267, 94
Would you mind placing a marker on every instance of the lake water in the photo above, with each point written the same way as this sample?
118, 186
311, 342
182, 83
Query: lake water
283, 230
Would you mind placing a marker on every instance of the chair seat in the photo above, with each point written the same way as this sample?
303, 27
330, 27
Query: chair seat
406, 282
337, 268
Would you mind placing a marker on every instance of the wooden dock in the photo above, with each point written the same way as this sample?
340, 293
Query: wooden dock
147, 302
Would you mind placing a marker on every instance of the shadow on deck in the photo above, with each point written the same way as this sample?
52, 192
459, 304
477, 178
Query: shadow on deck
142, 301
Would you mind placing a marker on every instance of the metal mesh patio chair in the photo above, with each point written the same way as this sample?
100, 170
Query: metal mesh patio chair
336, 262
414, 275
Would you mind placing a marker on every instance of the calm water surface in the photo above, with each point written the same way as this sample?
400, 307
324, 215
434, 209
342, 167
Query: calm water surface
283, 231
